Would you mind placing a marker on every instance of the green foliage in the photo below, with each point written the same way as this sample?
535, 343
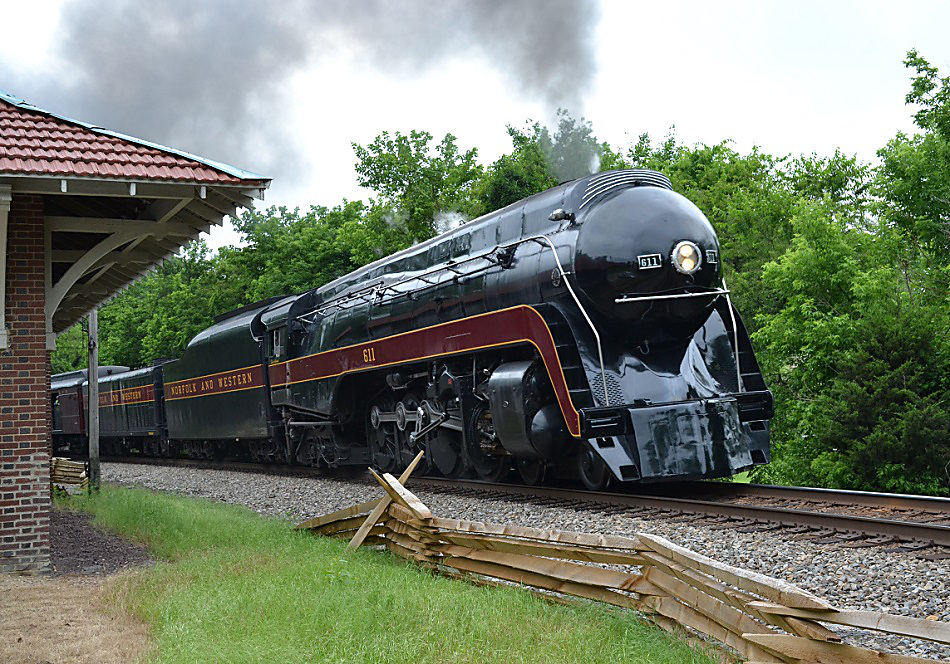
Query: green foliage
155, 317
931, 93
915, 182
540, 159
237, 587
523, 172
417, 178
71, 350
856, 363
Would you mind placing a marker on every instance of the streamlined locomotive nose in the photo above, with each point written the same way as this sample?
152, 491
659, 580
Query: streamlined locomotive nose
643, 243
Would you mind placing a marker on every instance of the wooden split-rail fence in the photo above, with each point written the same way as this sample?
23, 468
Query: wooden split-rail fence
762, 618
68, 474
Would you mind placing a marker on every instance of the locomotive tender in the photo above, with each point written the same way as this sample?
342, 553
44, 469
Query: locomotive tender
583, 332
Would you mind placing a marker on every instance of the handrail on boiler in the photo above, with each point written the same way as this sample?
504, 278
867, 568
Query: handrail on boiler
376, 293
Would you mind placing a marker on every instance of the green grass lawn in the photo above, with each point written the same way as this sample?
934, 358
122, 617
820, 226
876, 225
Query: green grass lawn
236, 587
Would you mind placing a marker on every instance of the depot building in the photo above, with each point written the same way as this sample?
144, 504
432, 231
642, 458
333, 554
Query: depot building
84, 212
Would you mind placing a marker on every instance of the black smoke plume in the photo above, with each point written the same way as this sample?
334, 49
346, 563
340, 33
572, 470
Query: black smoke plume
212, 76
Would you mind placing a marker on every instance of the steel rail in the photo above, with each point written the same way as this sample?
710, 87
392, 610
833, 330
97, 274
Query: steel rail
902, 530
811, 494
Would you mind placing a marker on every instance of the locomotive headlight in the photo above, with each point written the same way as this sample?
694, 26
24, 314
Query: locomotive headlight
686, 257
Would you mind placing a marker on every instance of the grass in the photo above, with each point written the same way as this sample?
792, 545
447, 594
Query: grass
237, 587
742, 478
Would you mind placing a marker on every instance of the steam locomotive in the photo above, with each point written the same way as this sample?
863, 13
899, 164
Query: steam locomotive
584, 332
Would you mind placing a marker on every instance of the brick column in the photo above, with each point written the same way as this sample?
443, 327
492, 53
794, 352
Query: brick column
24, 396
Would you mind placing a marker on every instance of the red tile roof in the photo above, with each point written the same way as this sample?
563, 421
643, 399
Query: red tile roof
34, 142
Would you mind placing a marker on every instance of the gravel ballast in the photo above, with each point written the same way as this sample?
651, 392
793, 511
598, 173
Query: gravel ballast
850, 578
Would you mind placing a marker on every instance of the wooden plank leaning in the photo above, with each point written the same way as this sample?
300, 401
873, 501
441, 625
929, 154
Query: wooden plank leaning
344, 513
713, 608
736, 598
402, 496
822, 652
686, 615
524, 532
773, 589
561, 570
539, 548
381, 506
931, 630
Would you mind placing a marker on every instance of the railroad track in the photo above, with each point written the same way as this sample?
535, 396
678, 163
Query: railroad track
918, 524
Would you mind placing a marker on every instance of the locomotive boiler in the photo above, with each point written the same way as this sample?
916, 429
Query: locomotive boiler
584, 332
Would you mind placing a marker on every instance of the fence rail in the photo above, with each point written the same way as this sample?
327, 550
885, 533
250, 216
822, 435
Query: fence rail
762, 618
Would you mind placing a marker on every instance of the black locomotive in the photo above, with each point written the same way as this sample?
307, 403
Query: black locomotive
583, 332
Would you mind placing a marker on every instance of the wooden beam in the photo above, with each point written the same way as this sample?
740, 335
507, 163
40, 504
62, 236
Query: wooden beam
214, 205
536, 548
562, 570
402, 496
117, 257
202, 223
58, 292
164, 210
564, 537
90, 290
118, 188
773, 589
686, 615
823, 652
240, 199
932, 630
60, 224
380, 508
529, 578
729, 617
345, 513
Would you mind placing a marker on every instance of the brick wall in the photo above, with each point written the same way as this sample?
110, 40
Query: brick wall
24, 397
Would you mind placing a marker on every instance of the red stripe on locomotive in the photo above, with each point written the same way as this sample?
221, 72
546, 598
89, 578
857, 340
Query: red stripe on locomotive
521, 324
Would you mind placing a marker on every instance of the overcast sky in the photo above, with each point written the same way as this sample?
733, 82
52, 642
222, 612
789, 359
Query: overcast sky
282, 89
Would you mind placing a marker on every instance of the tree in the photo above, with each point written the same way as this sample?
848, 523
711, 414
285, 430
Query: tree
418, 179
540, 159
157, 316
915, 173
572, 150
71, 350
519, 174
858, 362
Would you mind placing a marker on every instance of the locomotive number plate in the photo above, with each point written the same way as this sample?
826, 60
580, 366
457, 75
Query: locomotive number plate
650, 261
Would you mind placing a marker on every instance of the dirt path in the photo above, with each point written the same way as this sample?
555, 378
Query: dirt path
63, 619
